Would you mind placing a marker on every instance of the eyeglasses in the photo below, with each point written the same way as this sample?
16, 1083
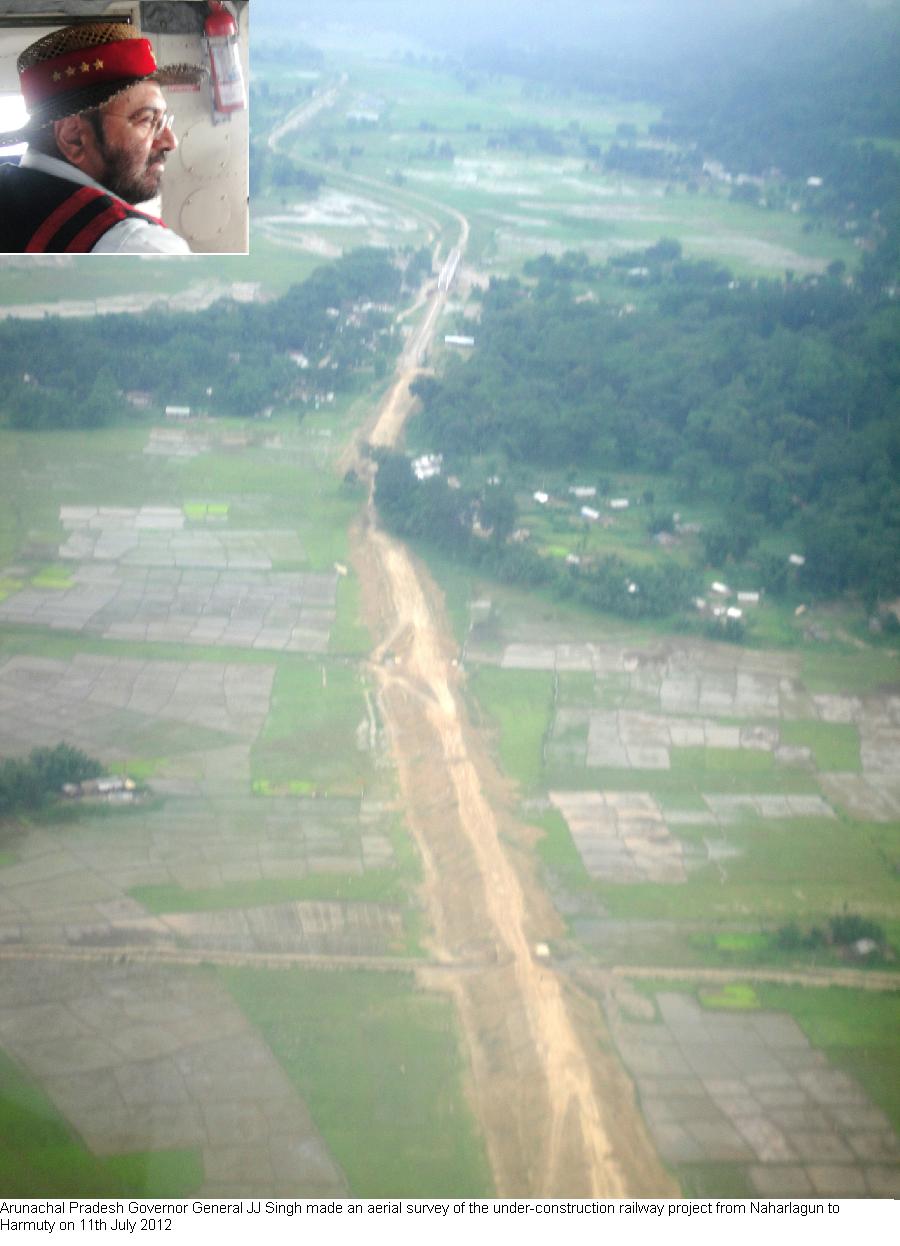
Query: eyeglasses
150, 122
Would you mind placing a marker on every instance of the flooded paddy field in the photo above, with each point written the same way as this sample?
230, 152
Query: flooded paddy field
417, 132
689, 800
188, 629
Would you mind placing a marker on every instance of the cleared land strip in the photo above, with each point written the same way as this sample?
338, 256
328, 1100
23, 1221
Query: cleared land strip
157, 955
859, 979
558, 1117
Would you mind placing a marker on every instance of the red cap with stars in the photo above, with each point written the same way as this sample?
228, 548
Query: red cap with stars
80, 67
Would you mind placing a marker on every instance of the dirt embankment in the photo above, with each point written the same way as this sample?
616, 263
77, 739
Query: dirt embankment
556, 1109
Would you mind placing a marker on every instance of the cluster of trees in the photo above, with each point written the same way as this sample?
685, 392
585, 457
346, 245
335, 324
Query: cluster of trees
436, 151
532, 139
776, 400
76, 369
28, 783
279, 172
840, 932
431, 512
659, 162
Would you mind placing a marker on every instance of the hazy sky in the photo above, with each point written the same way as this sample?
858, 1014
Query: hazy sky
616, 25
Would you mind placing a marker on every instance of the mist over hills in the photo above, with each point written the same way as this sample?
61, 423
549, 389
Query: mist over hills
656, 29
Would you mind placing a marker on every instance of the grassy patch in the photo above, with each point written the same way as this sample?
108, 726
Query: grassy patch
48, 643
457, 585
519, 704
714, 1181
803, 870
41, 1157
374, 886
835, 746
739, 996
310, 734
54, 575
379, 1066
840, 672
578, 689
349, 636
728, 762
858, 1030
740, 941
557, 850
684, 785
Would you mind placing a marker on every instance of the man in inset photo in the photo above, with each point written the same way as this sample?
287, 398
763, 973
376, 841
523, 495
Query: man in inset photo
99, 134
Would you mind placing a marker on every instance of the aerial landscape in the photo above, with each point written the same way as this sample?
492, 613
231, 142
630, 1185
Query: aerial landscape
450, 656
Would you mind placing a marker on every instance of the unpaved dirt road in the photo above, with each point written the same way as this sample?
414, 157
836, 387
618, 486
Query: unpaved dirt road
557, 1112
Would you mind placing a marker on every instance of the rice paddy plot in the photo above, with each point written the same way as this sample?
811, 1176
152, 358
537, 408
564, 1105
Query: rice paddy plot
380, 1066
747, 1089
264, 610
139, 1059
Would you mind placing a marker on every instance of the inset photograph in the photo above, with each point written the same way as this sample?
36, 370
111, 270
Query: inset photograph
124, 127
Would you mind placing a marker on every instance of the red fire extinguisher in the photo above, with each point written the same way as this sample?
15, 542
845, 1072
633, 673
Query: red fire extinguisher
224, 59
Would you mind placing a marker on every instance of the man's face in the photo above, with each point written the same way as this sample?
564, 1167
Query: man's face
131, 153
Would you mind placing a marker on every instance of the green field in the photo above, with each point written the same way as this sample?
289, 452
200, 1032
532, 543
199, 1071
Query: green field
375, 886
857, 1030
523, 201
311, 733
380, 1068
42, 1157
518, 705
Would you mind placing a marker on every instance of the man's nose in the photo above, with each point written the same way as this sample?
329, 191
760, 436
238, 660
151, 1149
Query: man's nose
166, 140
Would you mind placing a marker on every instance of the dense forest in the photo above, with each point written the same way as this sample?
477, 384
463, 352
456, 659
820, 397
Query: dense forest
775, 400
70, 373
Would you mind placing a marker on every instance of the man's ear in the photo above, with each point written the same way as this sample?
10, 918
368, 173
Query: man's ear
71, 139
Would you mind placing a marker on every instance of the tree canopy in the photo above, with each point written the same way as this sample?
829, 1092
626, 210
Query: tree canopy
776, 400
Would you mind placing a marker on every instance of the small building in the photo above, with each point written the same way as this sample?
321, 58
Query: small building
178, 413
619, 504
748, 598
796, 560
458, 339
733, 612
427, 466
583, 491
720, 589
588, 512
541, 498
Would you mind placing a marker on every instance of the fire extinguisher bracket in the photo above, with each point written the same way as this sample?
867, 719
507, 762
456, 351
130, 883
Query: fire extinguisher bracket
226, 76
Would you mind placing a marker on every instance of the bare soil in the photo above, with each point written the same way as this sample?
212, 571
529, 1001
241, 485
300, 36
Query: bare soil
556, 1108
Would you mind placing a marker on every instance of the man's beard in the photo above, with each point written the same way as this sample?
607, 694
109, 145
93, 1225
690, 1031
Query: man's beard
123, 179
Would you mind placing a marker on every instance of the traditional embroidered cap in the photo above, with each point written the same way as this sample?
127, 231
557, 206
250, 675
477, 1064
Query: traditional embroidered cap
80, 67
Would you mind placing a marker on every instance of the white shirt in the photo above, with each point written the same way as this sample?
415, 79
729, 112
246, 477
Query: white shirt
131, 237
